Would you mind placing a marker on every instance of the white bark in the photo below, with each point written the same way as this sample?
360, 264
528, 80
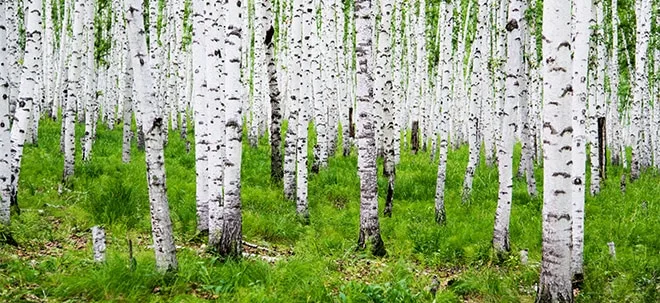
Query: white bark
231, 241
200, 116
596, 104
514, 69
526, 121
295, 42
369, 225
308, 26
74, 92
153, 124
479, 87
276, 171
14, 53
581, 34
555, 280
216, 114
98, 243
445, 101
5, 126
638, 132
27, 91
383, 91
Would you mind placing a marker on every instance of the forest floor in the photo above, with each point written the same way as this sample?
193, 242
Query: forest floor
316, 262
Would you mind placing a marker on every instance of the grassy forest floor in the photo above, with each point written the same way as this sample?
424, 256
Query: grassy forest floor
318, 262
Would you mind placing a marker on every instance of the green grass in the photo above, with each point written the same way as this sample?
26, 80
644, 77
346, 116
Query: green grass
54, 263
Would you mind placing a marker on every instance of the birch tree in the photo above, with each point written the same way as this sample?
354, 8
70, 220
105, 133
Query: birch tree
290, 141
555, 281
276, 171
640, 87
505, 153
199, 117
27, 90
581, 33
369, 225
383, 92
477, 91
231, 241
444, 85
308, 26
152, 123
74, 92
5, 126
216, 117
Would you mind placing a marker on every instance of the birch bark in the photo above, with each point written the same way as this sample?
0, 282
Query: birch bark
369, 225
581, 34
231, 241
152, 123
555, 280
505, 154
27, 91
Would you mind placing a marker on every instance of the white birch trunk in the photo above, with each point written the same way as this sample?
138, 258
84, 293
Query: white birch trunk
308, 27
555, 281
369, 224
14, 53
445, 101
640, 88
216, 114
27, 91
231, 242
276, 171
74, 92
581, 33
383, 91
477, 94
98, 243
514, 68
200, 117
5, 126
290, 143
153, 124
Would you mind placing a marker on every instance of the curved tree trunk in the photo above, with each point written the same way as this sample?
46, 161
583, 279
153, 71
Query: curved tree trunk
27, 91
153, 124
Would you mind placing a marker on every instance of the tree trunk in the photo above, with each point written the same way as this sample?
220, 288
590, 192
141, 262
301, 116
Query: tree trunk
581, 34
445, 102
276, 171
200, 108
514, 68
5, 126
640, 92
27, 91
153, 124
555, 280
231, 241
478, 88
214, 21
369, 225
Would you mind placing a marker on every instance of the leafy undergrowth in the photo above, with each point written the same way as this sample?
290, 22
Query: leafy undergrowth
314, 263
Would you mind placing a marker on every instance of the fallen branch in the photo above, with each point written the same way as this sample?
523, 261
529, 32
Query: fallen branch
268, 259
